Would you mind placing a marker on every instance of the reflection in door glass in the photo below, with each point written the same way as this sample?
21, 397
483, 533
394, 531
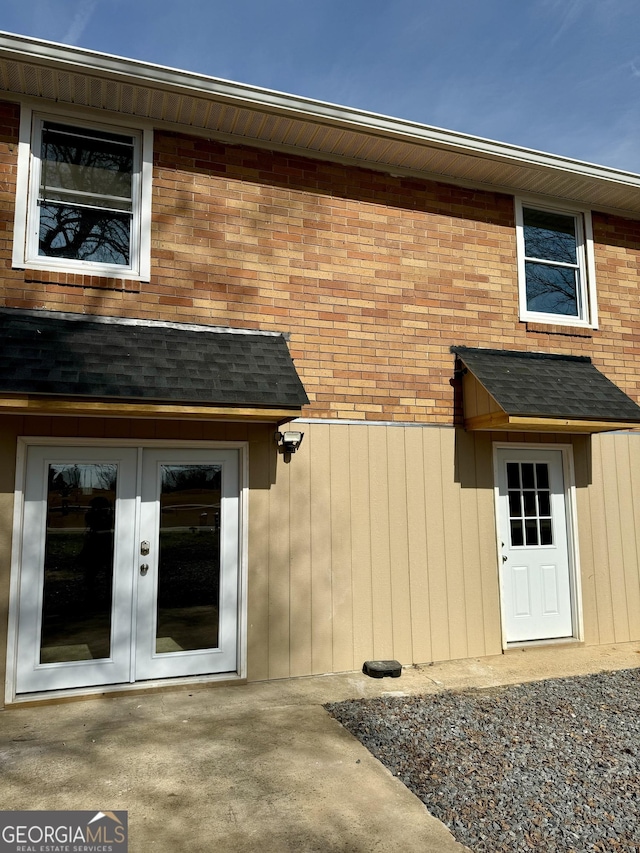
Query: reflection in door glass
78, 562
189, 559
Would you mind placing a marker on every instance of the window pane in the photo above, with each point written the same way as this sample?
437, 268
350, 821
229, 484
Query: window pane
529, 504
546, 537
549, 236
78, 563
531, 528
517, 537
92, 201
542, 475
551, 290
527, 475
189, 564
513, 475
84, 234
515, 510
77, 161
544, 503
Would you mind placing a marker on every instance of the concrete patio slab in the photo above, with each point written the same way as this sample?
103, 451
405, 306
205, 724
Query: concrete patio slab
255, 767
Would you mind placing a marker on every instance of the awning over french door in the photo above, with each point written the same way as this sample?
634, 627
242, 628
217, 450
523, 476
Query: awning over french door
74, 364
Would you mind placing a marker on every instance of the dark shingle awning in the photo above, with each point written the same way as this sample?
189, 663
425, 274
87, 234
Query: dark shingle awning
504, 390
60, 363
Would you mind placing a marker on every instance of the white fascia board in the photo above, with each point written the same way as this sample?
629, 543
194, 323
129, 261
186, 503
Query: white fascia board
54, 55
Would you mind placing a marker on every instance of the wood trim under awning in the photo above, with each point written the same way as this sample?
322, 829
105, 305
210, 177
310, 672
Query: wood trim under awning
482, 412
54, 406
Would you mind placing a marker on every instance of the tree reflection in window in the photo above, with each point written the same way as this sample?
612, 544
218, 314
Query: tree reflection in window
189, 558
551, 262
86, 194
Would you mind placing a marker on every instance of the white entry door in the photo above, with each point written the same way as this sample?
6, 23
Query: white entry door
532, 524
128, 566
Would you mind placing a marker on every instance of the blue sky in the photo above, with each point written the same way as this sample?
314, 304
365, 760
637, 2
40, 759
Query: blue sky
557, 75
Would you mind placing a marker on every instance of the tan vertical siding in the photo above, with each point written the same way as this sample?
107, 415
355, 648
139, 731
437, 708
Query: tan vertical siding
616, 492
402, 560
436, 560
583, 461
390, 543
360, 520
380, 545
454, 559
300, 570
417, 546
487, 555
318, 448
631, 525
258, 587
341, 581
399, 545
470, 539
611, 579
280, 580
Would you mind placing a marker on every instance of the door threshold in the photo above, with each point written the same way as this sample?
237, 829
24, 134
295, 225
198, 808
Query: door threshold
80, 694
523, 645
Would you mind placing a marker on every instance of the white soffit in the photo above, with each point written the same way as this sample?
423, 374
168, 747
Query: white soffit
251, 115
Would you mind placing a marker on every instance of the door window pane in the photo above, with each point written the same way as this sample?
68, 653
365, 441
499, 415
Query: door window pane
529, 504
542, 475
78, 562
189, 559
531, 530
544, 503
517, 537
513, 475
528, 481
546, 537
515, 509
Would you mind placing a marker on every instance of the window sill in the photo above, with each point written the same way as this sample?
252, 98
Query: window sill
97, 282
553, 329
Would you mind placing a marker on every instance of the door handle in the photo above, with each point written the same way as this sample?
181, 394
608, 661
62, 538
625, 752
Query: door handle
504, 559
144, 568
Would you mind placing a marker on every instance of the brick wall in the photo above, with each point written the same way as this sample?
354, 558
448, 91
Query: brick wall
374, 276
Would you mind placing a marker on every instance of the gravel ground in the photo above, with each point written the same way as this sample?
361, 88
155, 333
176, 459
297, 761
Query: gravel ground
547, 766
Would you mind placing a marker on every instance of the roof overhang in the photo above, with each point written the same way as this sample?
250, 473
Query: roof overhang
54, 363
11, 404
243, 114
537, 392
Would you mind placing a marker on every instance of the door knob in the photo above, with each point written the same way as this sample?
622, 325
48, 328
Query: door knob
504, 559
144, 568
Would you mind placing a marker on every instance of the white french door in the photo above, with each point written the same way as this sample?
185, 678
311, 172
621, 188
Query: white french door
129, 566
533, 529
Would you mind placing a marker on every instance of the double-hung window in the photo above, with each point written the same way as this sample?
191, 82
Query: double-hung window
555, 265
87, 196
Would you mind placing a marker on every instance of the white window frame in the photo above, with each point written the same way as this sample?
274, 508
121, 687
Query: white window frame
587, 296
27, 219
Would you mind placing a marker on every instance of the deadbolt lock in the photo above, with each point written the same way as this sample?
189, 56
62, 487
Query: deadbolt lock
144, 547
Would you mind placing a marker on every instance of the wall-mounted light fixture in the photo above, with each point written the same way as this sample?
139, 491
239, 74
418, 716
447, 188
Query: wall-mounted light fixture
289, 440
